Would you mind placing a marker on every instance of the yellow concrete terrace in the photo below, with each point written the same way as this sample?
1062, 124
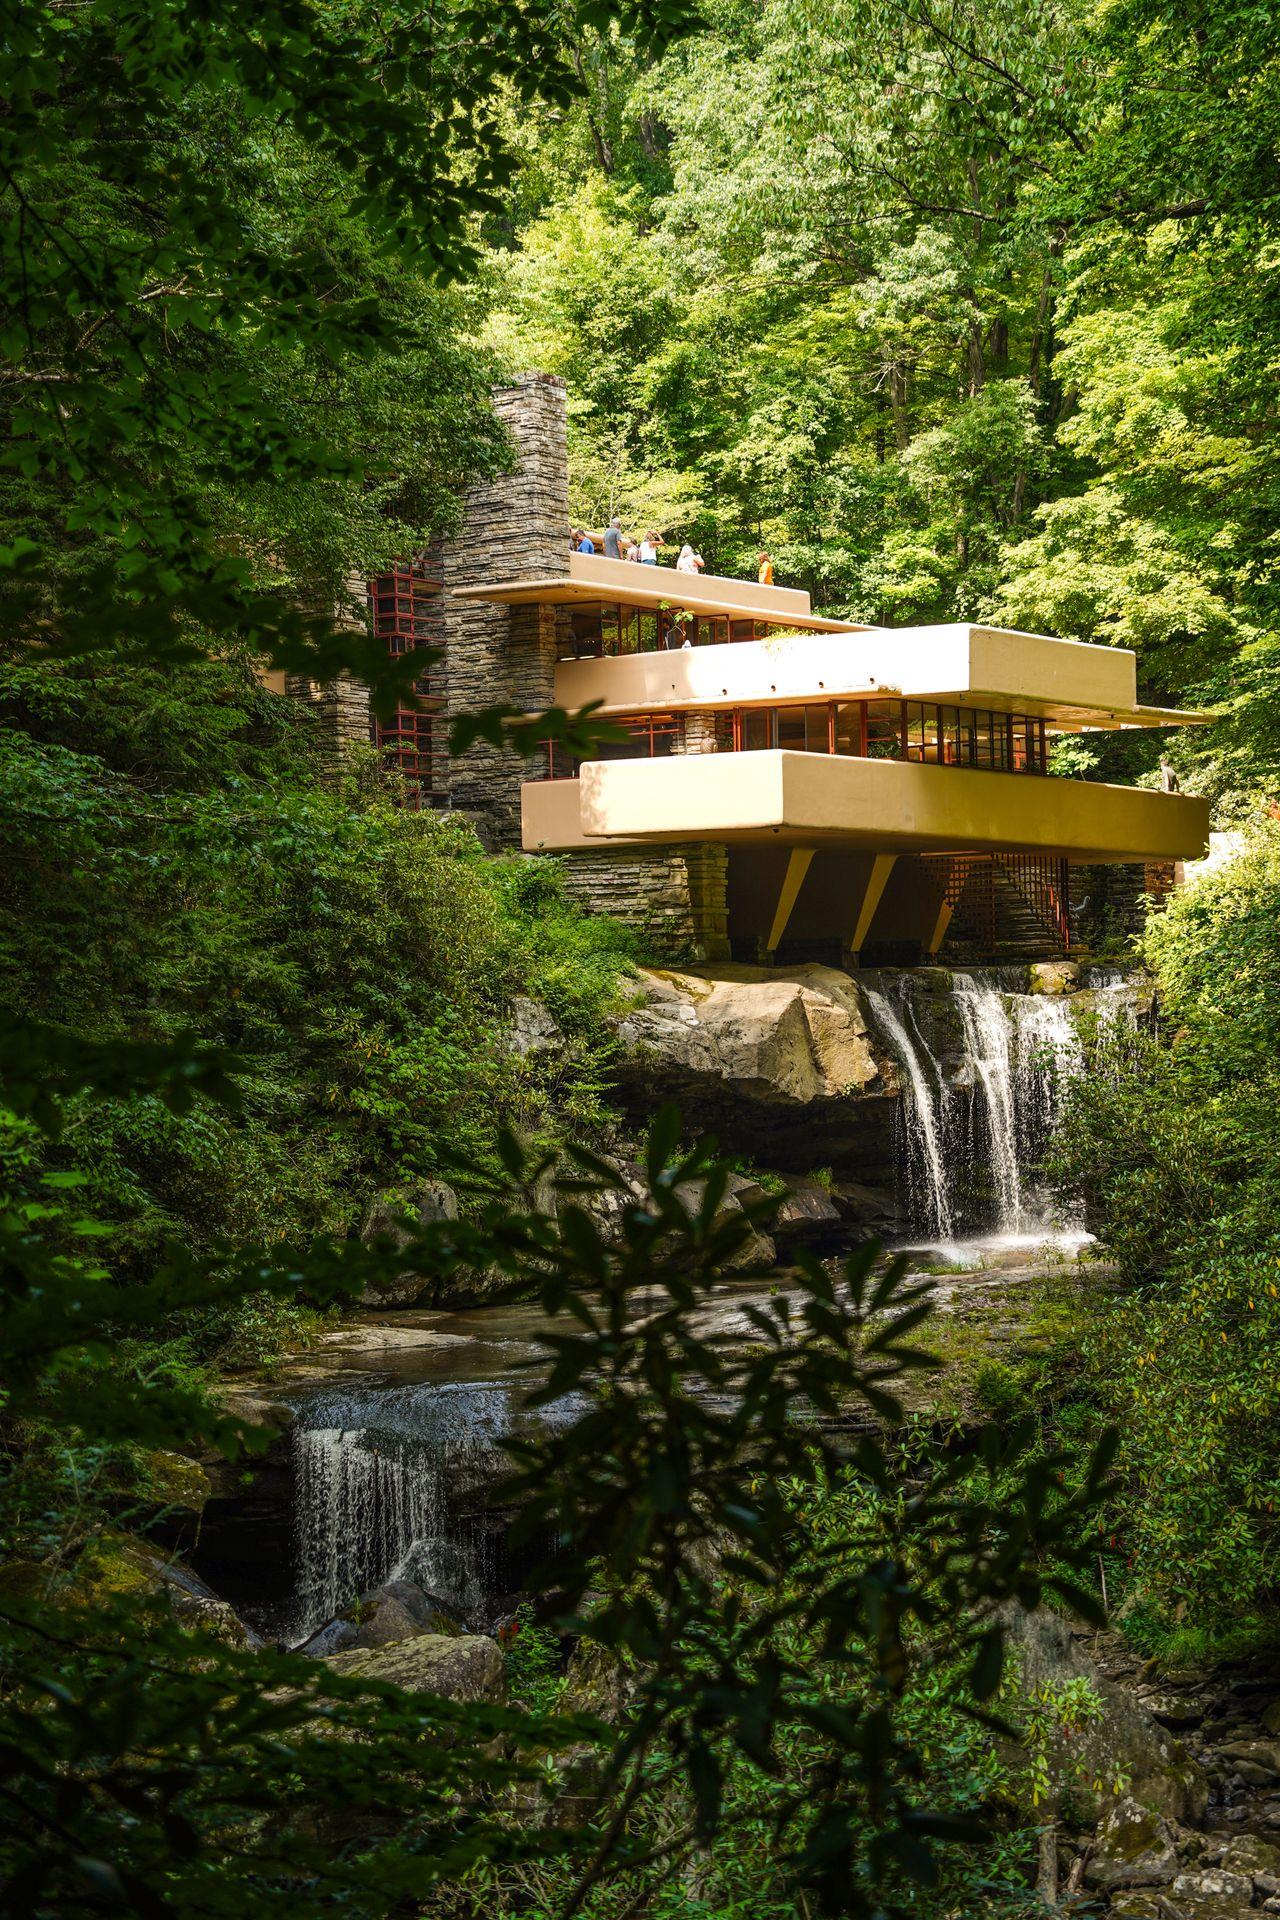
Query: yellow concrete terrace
757, 726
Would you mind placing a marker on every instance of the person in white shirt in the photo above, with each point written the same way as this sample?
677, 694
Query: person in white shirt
689, 561
649, 549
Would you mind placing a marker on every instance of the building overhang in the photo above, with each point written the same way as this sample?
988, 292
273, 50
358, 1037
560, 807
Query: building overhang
887, 806
1072, 685
589, 579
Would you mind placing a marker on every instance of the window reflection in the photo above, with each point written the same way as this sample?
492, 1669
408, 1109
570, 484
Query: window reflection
914, 730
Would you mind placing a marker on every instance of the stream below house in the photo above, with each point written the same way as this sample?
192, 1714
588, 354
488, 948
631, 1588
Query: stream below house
395, 1429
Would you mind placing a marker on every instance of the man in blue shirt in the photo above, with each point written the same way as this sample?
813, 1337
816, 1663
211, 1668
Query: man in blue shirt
586, 544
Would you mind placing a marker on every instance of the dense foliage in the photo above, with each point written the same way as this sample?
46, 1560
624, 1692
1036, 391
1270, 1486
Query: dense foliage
959, 310
179, 865
1174, 1154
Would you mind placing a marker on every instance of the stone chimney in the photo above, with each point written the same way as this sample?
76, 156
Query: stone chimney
515, 527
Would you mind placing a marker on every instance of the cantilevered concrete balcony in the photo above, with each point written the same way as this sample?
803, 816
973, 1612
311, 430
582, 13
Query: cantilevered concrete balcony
884, 806
589, 578
1068, 683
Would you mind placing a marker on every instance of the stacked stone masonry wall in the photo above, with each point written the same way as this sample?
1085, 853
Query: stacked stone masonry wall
698, 733
342, 708
675, 897
516, 526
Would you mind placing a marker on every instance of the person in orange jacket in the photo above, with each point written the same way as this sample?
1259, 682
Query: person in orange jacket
766, 570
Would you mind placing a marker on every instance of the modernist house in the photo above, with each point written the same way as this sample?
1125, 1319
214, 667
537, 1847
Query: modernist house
866, 785
783, 783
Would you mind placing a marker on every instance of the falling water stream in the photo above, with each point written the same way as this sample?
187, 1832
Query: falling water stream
981, 1102
925, 1100
382, 1478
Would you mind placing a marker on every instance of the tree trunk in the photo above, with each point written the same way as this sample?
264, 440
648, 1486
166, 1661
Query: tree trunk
1047, 1872
976, 367
977, 371
1040, 333
599, 140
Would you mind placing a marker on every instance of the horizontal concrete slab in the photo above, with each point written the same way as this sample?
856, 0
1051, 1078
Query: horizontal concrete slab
589, 577
885, 805
1066, 682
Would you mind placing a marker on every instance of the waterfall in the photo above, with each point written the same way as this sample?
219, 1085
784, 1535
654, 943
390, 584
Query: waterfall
981, 1102
924, 1112
381, 1478
990, 1038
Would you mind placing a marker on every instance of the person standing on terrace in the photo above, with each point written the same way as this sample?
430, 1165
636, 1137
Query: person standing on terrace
689, 561
765, 575
649, 549
586, 544
613, 540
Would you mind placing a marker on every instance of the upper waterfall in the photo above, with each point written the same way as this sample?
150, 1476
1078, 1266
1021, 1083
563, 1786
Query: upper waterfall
983, 1066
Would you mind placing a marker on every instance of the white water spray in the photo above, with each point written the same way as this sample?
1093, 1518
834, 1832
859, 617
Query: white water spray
378, 1475
926, 1097
1016, 1053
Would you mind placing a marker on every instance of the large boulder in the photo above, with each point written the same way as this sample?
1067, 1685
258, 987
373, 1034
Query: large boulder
116, 1564
461, 1667
392, 1218
781, 1061
807, 1216
1258, 1860
1134, 1848
1211, 1894
1126, 1744
757, 1253
531, 1029
397, 1610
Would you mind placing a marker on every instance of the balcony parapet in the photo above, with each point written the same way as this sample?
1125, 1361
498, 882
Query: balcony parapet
808, 799
1071, 683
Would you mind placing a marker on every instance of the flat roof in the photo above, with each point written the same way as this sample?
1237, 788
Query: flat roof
590, 577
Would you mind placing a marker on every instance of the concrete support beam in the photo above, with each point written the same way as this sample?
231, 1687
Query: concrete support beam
940, 926
798, 864
881, 867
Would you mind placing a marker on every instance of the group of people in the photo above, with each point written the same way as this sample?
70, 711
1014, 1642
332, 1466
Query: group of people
620, 546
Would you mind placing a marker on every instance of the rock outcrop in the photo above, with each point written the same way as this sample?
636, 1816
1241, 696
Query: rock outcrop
431, 1201
1126, 1744
462, 1667
783, 1062
1134, 1848
397, 1610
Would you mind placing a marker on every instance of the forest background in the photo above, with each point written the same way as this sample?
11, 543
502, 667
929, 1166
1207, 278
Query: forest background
966, 312
959, 311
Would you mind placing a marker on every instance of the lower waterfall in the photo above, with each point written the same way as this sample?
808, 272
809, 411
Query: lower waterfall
388, 1483
983, 1070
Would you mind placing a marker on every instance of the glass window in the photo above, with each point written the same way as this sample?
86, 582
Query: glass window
587, 629
930, 734
884, 729
791, 728
742, 630
849, 728
817, 729
758, 731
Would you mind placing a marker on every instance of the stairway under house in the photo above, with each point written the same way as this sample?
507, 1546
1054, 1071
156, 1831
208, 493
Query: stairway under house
785, 784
